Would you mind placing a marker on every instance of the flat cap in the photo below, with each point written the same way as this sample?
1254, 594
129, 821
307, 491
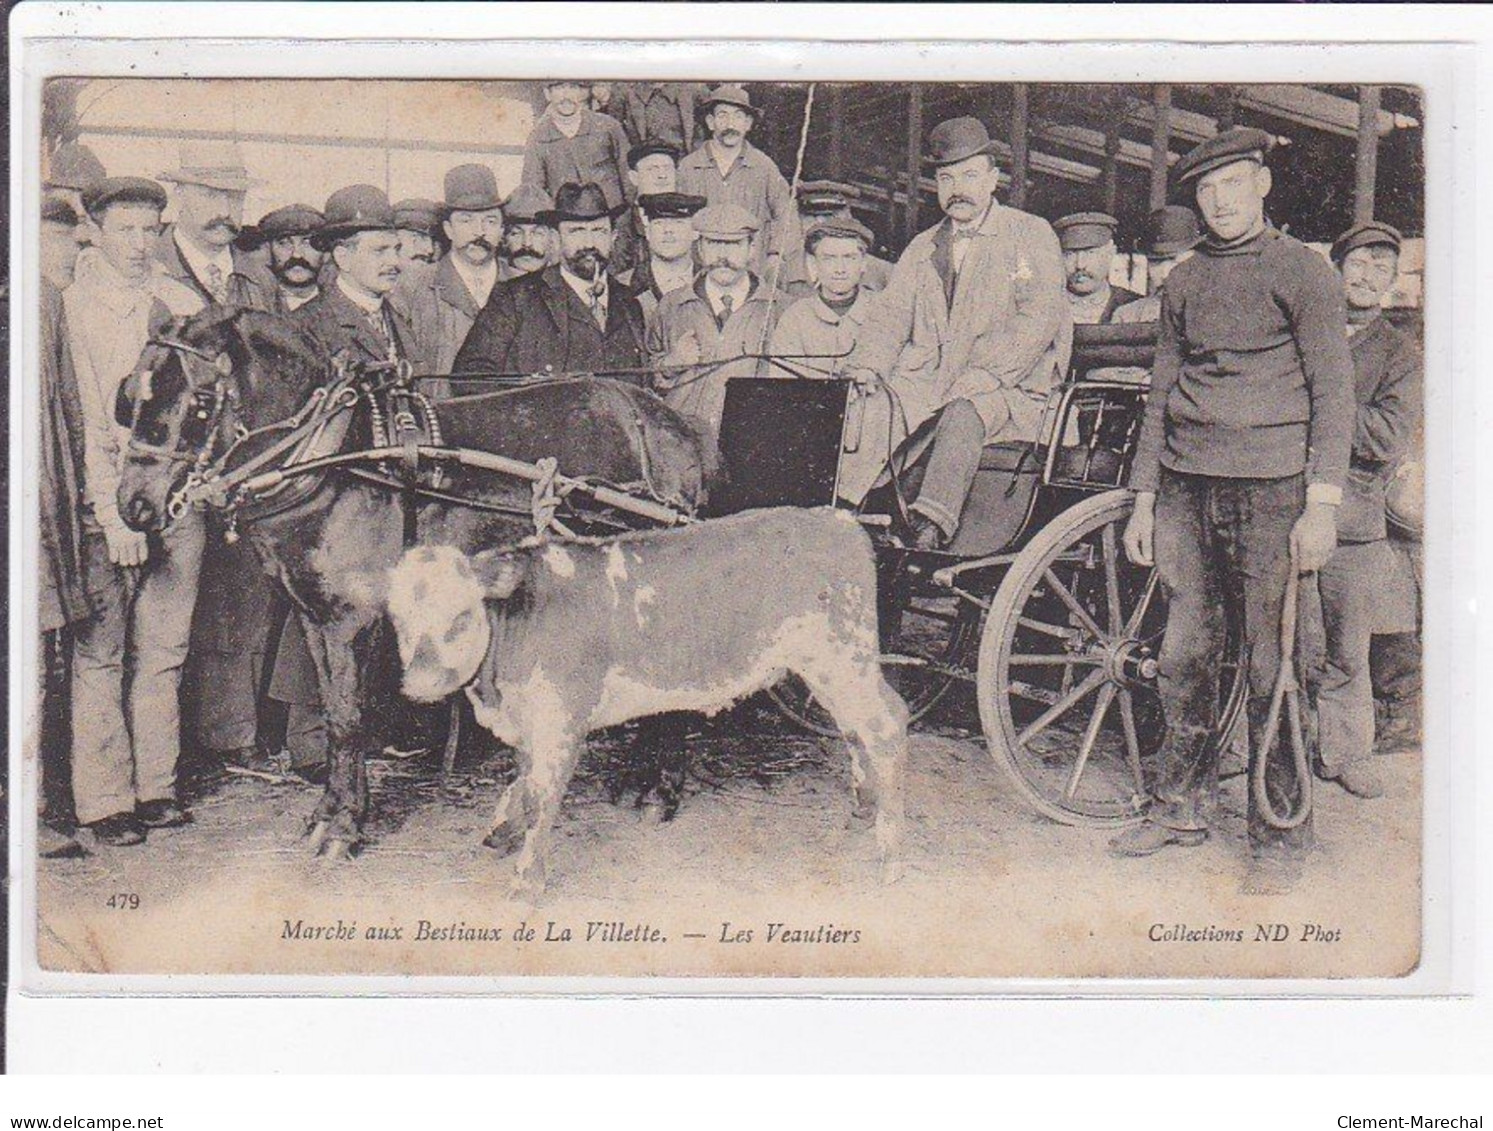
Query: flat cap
57, 210
1242, 143
416, 214
1171, 230
1082, 230
670, 205
823, 198
292, 220
122, 190
528, 205
653, 147
842, 227
726, 222
1370, 233
74, 166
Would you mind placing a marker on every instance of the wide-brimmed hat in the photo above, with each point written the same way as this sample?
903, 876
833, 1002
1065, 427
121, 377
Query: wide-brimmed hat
579, 202
292, 220
215, 164
1170, 231
731, 94
471, 188
73, 165
1371, 233
528, 204
416, 214
1241, 143
957, 139
122, 190
357, 208
1083, 230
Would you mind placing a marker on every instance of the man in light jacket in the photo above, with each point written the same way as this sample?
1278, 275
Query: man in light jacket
973, 328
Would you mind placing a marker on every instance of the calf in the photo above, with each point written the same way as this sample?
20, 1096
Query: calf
553, 641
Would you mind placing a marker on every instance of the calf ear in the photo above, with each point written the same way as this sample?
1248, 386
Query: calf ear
499, 573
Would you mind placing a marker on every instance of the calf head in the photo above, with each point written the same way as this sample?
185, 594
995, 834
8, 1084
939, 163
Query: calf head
437, 601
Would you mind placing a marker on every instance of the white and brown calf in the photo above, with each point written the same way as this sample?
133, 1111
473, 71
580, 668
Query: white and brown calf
552, 641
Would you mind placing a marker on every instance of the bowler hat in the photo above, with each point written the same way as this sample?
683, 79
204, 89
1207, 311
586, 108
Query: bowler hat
1241, 143
357, 208
471, 188
824, 198
74, 166
528, 205
215, 164
579, 202
651, 147
957, 140
845, 227
56, 210
730, 94
1171, 230
1083, 230
670, 205
416, 214
292, 220
1370, 233
122, 190
726, 222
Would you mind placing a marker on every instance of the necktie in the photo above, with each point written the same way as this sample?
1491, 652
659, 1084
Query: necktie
380, 322
598, 305
960, 248
727, 302
217, 285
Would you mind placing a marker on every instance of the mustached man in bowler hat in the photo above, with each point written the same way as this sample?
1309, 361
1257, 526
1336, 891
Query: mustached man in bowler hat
1239, 474
972, 331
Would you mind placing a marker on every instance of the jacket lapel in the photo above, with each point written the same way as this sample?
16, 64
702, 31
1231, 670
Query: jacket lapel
355, 325
556, 296
451, 290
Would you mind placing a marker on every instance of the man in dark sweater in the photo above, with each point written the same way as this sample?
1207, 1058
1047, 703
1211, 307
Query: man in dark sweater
1238, 474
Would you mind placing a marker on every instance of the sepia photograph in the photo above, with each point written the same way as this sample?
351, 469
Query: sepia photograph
528, 528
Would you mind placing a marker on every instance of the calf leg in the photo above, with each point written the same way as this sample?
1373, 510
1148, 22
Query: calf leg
515, 808
552, 762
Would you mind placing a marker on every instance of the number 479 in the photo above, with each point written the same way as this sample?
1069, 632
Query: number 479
124, 901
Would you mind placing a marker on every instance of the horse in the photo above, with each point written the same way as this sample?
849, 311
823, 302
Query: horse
215, 385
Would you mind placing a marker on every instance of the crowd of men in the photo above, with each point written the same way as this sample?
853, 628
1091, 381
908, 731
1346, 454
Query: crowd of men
649, 239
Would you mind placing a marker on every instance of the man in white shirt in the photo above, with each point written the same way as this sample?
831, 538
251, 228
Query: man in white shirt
209, 187
127, 737
652, 169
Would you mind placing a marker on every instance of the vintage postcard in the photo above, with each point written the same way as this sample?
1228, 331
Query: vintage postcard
555, 526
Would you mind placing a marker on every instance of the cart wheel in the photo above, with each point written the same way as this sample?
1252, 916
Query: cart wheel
927, 639
1067, 669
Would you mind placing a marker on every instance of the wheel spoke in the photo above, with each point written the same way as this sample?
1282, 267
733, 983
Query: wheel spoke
1112, 579
1062, 632
1062, 706
1132, 740
1090, 736
1142, 606
1073, 606
1053, 661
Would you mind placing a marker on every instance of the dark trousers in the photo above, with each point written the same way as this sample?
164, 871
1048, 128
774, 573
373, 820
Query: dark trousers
1222, 547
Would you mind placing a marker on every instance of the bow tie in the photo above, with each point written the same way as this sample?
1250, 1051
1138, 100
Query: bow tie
963, 234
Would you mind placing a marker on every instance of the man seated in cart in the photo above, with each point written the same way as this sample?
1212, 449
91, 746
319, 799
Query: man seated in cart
973, 330
1238, 473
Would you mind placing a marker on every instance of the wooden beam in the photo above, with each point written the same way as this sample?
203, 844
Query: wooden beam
1228, 107
835, 114
914, 155
1161, 141
1367, 164
1020, 126
1112, 164
1319, 109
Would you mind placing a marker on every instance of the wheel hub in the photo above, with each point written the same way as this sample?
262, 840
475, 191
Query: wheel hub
1131, 663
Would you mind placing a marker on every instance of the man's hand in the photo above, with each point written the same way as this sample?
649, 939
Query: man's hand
867, 381
1314, 537
126, 547
1140, 532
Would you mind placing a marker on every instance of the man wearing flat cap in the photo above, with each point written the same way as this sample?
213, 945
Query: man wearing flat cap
1171, 234
728, 169
726, 313
573, 144
208, 190
972, 332
1239, 473
294, 261
126, 734
1357, 584
442, 305
652, 168
820, 202
669, 237
1088, 243
664, 111
566, 319
418, 222
71, 168
528, 237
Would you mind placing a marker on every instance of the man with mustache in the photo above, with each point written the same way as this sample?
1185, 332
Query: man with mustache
670, 242
528, 239
126, 731
1088, 243
443, 303
652, 168
725, 314
294, 261
1171, 234
567, 318
971, 333
573, 144
1239, 473
197, 249
419, 220
728, 169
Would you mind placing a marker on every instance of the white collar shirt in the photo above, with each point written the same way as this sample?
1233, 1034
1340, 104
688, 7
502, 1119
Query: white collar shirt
479, 281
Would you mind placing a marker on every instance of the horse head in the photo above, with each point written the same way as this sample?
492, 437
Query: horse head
201, 382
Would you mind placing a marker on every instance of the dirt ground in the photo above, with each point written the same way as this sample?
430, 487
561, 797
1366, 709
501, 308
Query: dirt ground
992, 890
